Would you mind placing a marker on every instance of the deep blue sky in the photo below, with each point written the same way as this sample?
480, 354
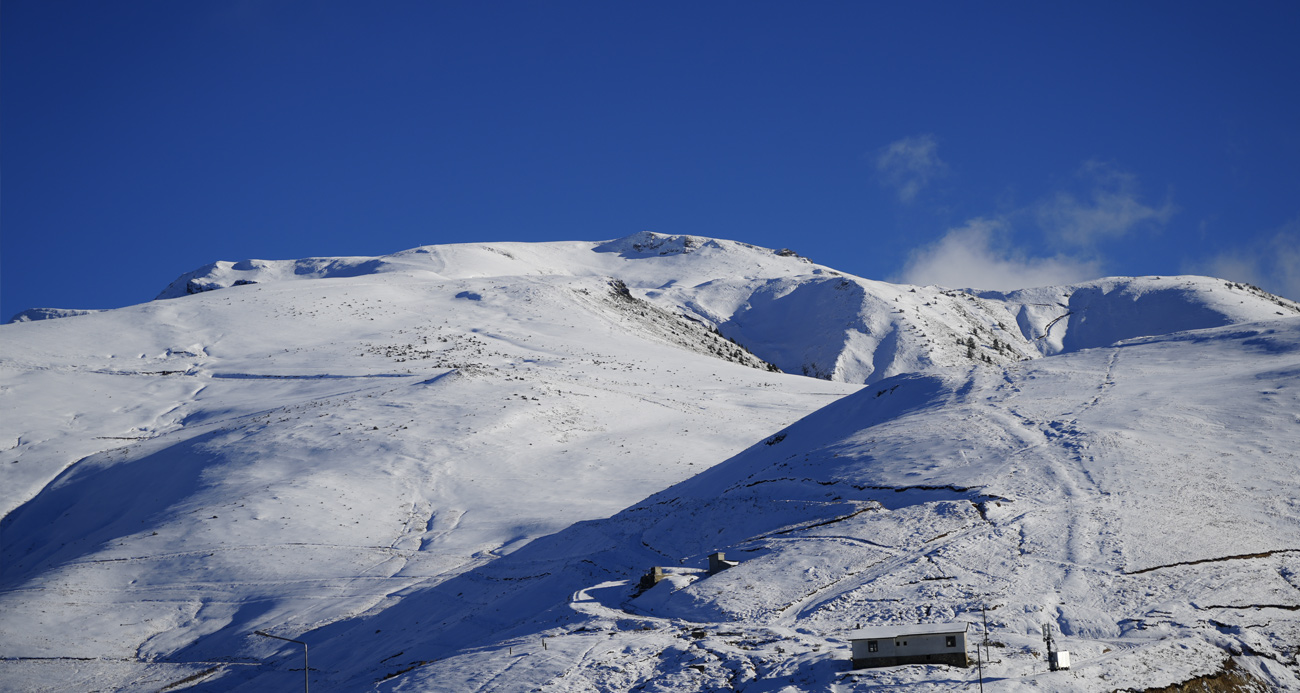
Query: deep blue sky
970, 143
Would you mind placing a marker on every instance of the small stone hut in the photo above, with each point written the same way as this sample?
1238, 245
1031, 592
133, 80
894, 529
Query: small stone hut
718, 562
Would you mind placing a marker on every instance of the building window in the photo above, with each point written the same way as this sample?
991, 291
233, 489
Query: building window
950, 641
873, 646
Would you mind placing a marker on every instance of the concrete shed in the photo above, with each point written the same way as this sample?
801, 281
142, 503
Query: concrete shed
926, 643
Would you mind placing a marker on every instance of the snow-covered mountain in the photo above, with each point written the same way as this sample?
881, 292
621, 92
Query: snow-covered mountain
404, 460
32, 314
807, 318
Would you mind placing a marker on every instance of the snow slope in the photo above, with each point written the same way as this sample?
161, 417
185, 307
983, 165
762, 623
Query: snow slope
320, 444
1141, 499
286, 454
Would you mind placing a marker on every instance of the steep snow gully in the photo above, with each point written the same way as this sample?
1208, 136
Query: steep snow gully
448, 468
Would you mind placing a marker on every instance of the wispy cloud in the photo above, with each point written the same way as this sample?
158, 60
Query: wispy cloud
1112, 209
981, 252
978, 255
909, 165
1272, 263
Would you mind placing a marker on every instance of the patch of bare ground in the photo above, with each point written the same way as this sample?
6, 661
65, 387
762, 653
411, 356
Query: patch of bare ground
189, 680
1230, 679
1239, 557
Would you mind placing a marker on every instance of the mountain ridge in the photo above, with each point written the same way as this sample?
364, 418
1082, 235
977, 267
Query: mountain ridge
807, 318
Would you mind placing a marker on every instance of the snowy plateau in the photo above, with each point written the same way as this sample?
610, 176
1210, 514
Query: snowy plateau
447, 469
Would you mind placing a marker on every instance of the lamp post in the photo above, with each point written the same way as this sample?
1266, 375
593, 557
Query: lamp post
305, 669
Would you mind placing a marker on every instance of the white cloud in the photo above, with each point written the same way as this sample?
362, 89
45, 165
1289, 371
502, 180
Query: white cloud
1114, 208
909, 165
975, 256
1272, 264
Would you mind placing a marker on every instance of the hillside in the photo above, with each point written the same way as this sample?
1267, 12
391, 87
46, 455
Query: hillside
1140, 499
312, 446
186, 471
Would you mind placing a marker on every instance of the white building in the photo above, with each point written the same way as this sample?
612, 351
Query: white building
926, 643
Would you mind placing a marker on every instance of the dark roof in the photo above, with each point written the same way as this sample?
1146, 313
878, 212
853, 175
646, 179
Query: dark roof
885, 632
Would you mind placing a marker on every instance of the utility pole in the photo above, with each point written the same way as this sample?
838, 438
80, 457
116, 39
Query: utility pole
1047, 639
305, 669
985, 615
980, 661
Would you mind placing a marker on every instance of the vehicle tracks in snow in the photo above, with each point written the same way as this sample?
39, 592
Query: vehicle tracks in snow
1056, 468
